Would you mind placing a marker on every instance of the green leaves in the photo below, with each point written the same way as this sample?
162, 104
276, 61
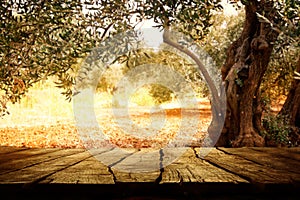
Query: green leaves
277, 129
46, 38
192, 17
279, 76
41, 38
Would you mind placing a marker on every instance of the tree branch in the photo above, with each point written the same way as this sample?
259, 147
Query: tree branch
211, 85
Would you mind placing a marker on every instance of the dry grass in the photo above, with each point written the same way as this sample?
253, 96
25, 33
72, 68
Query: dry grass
42, 105
45, 119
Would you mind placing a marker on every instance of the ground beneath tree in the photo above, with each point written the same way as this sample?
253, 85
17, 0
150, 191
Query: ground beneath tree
155, 128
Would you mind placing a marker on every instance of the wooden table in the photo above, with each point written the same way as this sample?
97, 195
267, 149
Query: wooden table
224, 173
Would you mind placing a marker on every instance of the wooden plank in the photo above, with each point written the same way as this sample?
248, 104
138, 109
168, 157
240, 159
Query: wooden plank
292, 149
88, 171
35, 173
254, 172
289, 153
76, 173
17, 155
25, 162
145, 177
189, 168
10, 149
144, 160
114, 156
273, 160
141, 166
176, 169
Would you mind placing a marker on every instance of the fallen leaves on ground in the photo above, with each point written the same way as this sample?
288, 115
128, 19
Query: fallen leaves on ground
139, 130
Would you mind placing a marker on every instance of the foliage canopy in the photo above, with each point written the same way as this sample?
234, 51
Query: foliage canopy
39, 38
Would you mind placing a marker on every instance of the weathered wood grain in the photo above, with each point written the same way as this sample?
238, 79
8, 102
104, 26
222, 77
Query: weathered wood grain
144, 160
88, 171
24, 153
189, 168
9, 149
34, 159
167, 172
274, 160
141, 166
252, 171
292, 149
114, 156
37, 172
289, 153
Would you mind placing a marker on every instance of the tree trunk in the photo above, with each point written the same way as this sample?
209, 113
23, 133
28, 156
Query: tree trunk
291, 109
246, 63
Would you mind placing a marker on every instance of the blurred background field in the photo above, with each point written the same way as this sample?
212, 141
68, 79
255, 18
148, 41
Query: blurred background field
42, 105
43, 118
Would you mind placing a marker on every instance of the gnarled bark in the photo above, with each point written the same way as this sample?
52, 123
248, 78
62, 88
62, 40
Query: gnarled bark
246, 63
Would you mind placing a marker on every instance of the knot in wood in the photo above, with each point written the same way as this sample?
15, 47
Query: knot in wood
259, 44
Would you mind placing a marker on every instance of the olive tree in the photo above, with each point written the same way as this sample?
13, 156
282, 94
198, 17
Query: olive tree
40, 39
247, 61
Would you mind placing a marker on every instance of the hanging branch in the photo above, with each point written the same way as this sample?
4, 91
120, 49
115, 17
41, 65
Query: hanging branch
210, 83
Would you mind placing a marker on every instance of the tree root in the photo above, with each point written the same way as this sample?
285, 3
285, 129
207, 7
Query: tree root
249, 139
